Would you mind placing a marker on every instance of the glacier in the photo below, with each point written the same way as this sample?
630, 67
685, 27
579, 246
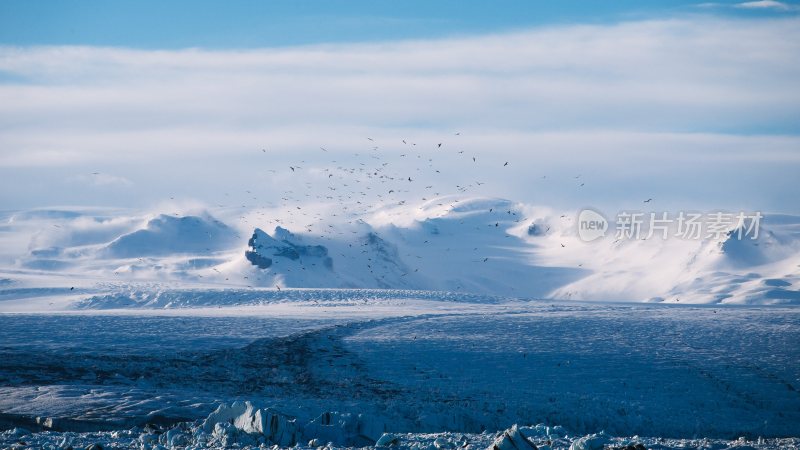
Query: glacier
459, 322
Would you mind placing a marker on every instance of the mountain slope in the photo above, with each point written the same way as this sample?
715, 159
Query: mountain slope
165, 235
459, 244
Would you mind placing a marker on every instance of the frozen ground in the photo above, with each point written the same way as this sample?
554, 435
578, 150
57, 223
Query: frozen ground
394, 363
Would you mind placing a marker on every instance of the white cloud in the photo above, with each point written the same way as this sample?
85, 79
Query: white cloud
652, 96
698, 75
101, 180
752, 5
765, 4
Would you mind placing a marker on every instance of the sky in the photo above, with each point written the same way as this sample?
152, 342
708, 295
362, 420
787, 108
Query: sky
153, 24
603, 104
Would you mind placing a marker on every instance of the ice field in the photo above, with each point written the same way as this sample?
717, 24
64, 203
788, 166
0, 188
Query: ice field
398, 364
438, 325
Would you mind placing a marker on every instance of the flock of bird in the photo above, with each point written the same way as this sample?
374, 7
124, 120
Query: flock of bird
349, 187
371, 179
355, 184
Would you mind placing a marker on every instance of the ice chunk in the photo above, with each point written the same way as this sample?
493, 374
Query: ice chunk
442, 443
246, 418
543, 431
512, 439
386, 440
590, 442
345, 429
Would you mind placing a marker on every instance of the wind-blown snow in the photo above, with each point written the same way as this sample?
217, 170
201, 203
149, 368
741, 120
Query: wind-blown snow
455, 244
167, 235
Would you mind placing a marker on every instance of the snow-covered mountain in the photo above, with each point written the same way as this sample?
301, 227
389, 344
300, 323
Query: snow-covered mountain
449, 244
168, 235
457, 244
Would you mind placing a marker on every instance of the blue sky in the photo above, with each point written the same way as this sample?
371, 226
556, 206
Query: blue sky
131, 103
154, 24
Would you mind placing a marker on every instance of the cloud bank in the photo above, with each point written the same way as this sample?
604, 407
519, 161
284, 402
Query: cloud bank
646, 100
765, 4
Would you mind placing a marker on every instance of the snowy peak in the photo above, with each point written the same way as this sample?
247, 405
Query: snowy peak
263, 249
165, 235
364, 260
384, 262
